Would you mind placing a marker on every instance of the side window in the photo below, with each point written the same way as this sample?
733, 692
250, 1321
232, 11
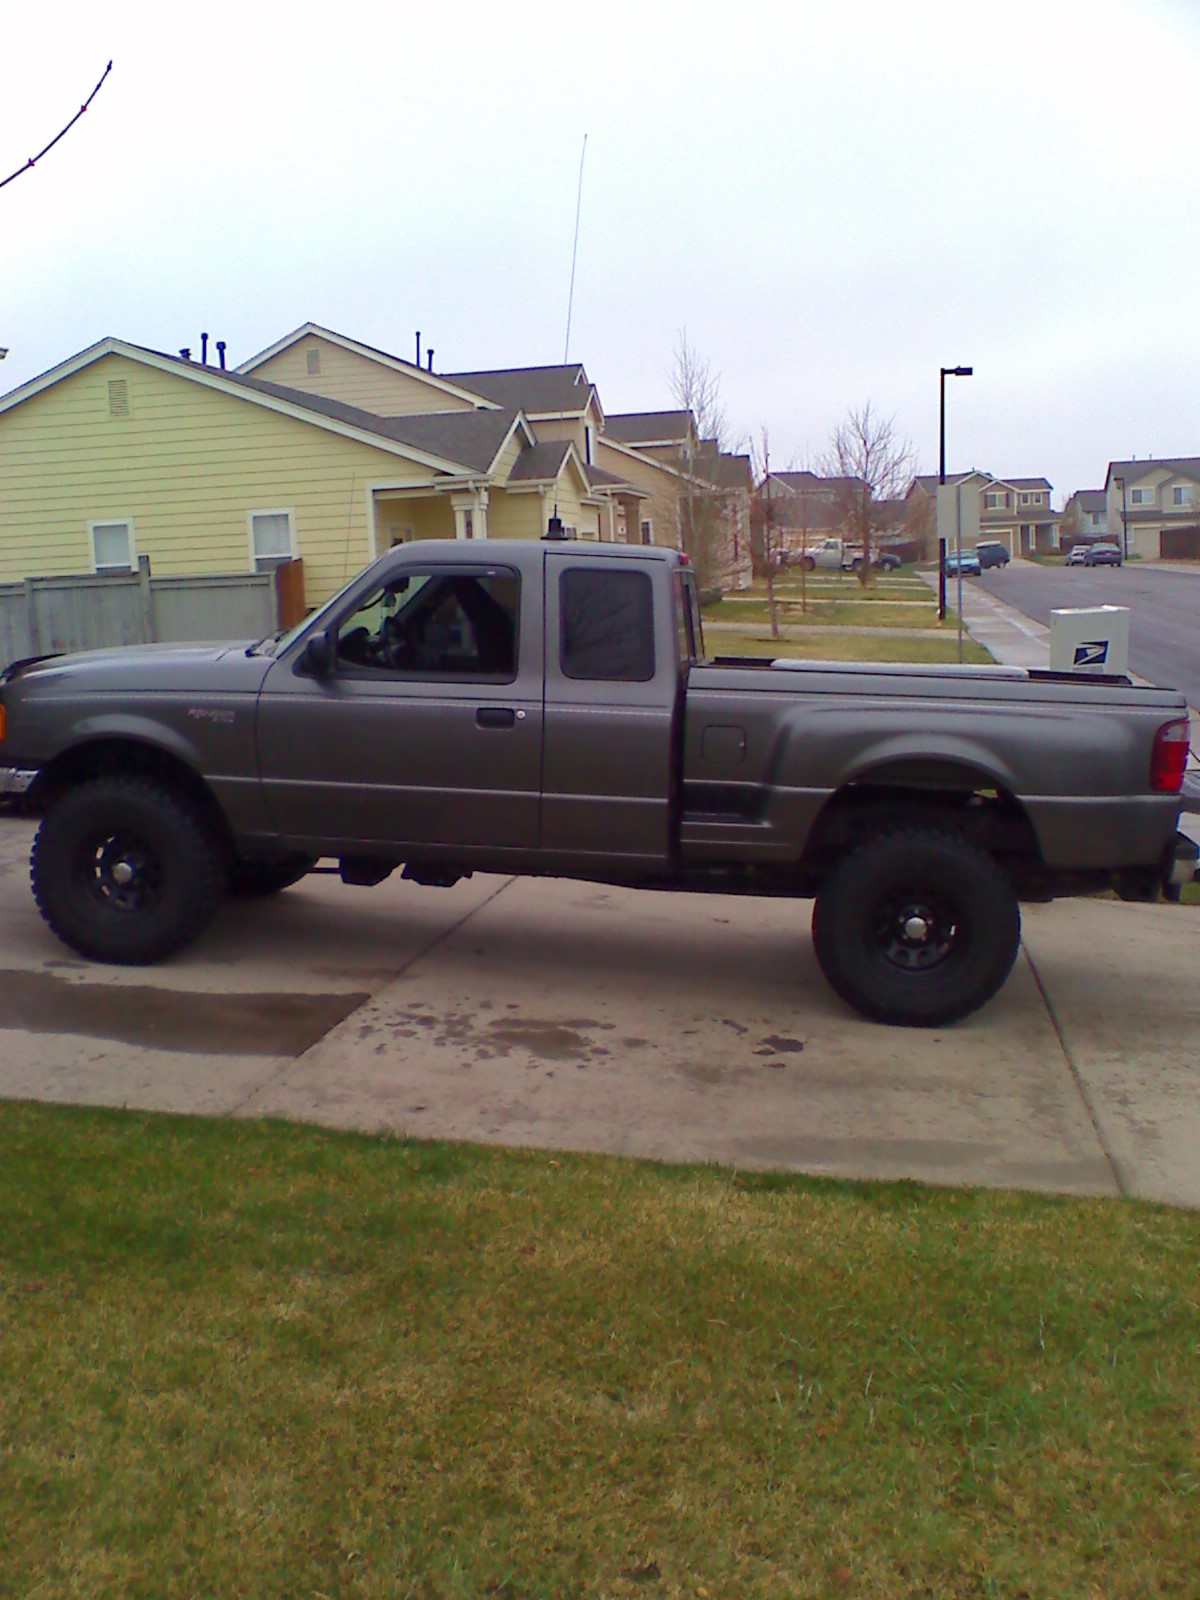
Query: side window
607, 625
436, 624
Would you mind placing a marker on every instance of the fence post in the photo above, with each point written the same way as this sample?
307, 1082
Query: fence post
31, 618
149, 622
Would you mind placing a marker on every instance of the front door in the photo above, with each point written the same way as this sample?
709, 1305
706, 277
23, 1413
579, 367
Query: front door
428, 731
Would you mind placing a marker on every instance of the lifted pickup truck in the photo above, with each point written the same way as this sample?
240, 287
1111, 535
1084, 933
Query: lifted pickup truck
547, 708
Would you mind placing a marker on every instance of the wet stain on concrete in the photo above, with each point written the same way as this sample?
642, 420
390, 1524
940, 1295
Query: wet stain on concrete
171, 1019
776, 1044
548, 1041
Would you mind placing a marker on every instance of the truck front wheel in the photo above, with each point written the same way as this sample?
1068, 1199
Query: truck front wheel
126, 870
916, 927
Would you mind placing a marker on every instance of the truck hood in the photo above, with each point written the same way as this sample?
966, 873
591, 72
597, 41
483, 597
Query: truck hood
169, 668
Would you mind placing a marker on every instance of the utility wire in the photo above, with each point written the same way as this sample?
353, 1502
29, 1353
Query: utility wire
33, 160
574, 251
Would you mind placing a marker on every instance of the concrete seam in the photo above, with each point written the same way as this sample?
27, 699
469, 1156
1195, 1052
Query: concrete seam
1081, 1088
284, 1062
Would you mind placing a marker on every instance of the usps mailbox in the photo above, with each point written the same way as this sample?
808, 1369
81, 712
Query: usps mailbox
1090, 639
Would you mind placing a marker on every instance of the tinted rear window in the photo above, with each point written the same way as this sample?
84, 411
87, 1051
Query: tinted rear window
607, 625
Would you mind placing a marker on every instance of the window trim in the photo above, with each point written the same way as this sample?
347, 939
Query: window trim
271, 511
113, 522
356, 673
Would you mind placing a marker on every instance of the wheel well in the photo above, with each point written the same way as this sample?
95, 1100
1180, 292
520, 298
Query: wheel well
963, 802
107, 758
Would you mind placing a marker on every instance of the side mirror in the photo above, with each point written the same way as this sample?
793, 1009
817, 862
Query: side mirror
319, 656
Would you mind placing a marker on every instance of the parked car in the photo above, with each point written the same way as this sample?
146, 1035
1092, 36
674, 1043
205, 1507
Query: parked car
886, 561
970, 564
1103, 555
992, 553
1077, 555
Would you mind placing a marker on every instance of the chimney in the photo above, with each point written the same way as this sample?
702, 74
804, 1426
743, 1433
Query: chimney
204, 349
418, 347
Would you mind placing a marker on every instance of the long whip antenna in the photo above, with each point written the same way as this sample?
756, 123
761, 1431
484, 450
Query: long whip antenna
33, 160
574, 251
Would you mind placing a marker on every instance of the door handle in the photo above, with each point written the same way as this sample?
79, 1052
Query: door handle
495, 717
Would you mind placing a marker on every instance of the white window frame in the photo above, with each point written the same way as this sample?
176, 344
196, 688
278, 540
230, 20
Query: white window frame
271, 511
1141, 497
997, 500
646, 530
113, 522
1181, 494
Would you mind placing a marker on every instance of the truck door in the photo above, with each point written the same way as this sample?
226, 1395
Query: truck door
613, 686
428, 729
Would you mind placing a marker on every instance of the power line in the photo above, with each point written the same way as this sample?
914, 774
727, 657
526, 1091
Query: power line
33, 160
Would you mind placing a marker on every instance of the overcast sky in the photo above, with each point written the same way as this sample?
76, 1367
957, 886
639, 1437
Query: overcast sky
834, 199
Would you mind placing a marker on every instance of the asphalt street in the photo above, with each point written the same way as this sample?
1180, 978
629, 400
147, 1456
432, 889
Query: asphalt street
1164, 610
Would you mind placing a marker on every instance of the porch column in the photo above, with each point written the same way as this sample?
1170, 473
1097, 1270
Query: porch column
470, 514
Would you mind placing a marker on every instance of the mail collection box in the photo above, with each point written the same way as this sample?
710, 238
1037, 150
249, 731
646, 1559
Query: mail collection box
1090, 639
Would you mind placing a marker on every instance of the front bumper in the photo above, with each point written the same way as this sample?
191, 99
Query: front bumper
16, 780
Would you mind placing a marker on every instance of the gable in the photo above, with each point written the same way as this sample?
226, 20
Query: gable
356, 378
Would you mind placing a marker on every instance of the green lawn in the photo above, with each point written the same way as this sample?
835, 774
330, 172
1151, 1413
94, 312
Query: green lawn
939, 649
245, 1359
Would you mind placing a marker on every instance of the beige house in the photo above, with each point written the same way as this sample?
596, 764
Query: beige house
1014, 512
1153, 507
320, 450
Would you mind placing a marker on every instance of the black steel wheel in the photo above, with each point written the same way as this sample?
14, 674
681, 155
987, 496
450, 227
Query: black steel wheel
254, 880
916, 927
126, 869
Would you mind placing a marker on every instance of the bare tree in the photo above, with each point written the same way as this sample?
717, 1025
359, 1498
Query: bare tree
696, 388
871, 464
765, 528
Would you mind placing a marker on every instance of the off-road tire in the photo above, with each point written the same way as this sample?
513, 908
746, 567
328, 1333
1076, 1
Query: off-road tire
870, 914
255, 880
126, 870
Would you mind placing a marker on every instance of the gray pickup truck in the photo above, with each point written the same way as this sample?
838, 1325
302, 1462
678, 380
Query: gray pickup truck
548, 708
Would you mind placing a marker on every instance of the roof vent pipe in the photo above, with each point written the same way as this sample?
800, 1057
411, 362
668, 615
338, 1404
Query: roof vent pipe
431, 358
186, 354
221, 353
418, 347
204, 349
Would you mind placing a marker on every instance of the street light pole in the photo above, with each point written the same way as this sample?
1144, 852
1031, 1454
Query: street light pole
943, 374
1120, 482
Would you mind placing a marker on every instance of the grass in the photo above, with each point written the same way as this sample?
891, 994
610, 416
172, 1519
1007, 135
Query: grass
848, 613
252, 1359
939, 649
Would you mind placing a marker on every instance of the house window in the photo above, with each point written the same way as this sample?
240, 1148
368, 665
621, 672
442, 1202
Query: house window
270, 539
647, 531
1141, 497
1181, 495
995, 500
312, 362
1097, 519
587, 443
118, 397
112, 547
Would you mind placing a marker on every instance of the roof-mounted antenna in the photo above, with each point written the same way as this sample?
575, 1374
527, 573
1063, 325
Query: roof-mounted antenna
574, 252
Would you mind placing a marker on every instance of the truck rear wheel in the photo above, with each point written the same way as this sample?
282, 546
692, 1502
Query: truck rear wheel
126, 870
916, 927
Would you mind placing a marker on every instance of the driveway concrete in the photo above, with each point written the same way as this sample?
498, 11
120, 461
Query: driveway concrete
562, 1015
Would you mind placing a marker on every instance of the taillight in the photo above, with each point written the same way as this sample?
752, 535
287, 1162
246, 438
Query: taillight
1169, 757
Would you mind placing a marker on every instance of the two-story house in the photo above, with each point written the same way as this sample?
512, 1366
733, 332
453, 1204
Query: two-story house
1014, 512
1153, 507
1085, 517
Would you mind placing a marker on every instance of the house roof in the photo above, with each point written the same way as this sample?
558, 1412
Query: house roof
1090, 499
1134, 471
454, 443
312, 330
929, 481
538, 391
1028, 483
650, 427
470, 439
601, 479
538, 463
